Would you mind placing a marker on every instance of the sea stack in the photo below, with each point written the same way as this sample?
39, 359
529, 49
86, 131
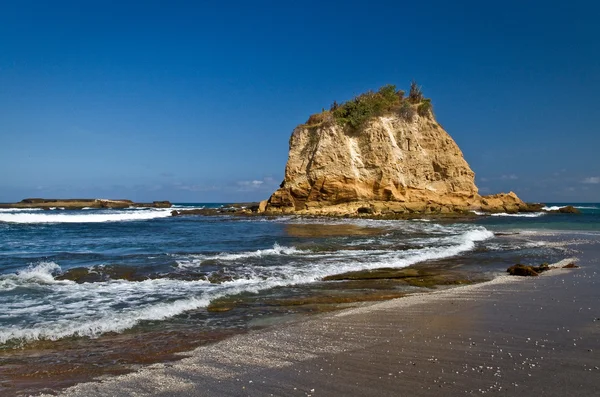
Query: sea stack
380, 153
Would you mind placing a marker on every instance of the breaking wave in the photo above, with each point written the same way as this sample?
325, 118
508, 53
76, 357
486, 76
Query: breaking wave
19, 209
55, 309
276, 250
551, 208
87, 217
521, 215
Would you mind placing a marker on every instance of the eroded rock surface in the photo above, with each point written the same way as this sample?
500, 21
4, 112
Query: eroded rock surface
390, 165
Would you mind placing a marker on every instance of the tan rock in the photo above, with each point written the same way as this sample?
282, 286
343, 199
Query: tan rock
414, 164
262, 206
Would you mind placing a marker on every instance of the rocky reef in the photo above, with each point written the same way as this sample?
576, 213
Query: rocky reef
396, 160
75, 204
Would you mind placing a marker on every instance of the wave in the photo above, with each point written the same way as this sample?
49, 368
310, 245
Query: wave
62, 308
521, 215
276, 250
552, 208
42, 273
187, 207
109, 323
97, 217
19, 209
194, 260
587, 207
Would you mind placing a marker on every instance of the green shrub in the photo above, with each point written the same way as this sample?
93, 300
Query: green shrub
415, 94
424, 108
406, 111
360, 109
319, 118
357, 111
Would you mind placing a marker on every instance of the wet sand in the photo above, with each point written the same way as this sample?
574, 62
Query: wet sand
511, 336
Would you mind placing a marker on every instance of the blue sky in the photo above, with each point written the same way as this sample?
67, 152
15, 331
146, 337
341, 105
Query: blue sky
195, 101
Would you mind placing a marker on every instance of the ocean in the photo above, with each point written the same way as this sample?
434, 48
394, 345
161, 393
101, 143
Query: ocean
99, 292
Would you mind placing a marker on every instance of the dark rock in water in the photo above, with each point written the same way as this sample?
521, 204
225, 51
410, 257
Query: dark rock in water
230, 209
77, 204
570, 266
198, 211
532, 207
527, 270
569, 209
522, 270
102, 274
542, 268
35, 201
410, 276
365, 210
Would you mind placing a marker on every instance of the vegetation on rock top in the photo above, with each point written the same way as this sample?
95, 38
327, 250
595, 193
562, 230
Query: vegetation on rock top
357, 111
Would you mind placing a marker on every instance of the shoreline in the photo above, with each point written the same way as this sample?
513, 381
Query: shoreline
393, 346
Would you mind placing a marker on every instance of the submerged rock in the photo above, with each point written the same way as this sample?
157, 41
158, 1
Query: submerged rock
411, 276
527, 270
569, 209
570, 266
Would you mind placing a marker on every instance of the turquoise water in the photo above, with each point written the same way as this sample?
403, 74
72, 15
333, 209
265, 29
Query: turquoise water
91, 272
589, 219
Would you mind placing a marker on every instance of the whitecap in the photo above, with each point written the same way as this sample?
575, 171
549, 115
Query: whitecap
19, 209
41, 273
197, 259
66, 308
552, 208
521, 215
97, 217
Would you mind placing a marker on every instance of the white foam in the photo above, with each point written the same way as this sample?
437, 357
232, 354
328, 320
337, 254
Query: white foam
107, 323
64, 308
40, 274
276, 250
587, 208
552, 208
186, 207
197, 259
19, 209
97, 217
521, 215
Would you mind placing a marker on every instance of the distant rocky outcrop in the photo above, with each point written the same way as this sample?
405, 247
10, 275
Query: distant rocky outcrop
397, 159
74, 204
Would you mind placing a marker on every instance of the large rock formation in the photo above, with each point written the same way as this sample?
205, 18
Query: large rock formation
391, 163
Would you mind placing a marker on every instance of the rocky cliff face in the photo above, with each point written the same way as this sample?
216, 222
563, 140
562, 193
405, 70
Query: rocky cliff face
390, 164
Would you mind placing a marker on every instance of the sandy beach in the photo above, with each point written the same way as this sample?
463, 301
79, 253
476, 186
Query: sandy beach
511, 336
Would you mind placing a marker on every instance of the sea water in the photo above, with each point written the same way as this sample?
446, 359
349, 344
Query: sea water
80, 275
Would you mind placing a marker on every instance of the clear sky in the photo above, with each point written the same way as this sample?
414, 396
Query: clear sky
194, 101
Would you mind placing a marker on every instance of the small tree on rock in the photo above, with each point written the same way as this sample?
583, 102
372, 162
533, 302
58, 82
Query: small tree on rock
415, 95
